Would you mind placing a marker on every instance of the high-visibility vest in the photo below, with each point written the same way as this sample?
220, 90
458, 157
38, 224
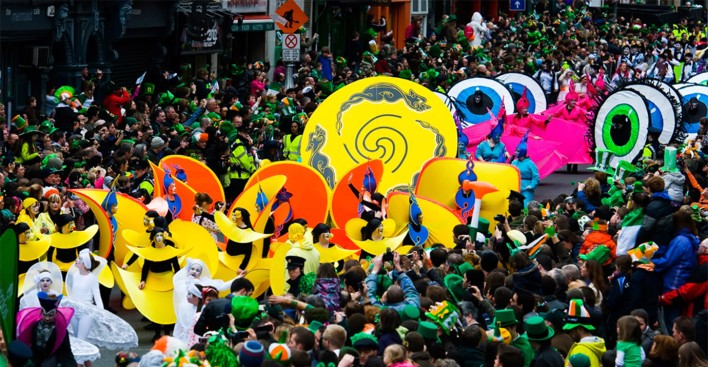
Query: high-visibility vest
242, 164
291, 147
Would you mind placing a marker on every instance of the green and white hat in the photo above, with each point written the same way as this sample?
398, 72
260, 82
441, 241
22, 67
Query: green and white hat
670, 160
603, 161
624, 169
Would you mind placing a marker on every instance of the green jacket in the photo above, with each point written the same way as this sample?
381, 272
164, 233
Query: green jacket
522, 344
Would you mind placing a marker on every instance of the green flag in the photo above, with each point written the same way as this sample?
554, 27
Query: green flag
9, 255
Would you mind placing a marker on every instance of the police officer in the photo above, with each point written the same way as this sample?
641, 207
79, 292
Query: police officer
241, 163
291, 143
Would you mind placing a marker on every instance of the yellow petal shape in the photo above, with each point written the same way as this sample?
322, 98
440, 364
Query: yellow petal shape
234, 233
379, 247
438, 181
73, 239
203, 246
436, 217
199, 177
34, 249
333, 253
105, 240
277, 270
151, 300
158, 254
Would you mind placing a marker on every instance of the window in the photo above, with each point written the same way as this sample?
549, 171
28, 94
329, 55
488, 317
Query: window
419, 7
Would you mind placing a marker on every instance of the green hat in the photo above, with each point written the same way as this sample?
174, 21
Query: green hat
638, 187
227, 128
148, 89
483, 226
577, 315
364, 340
166, 98
130, 120
445, 315
454, 284
315, 326
128, 141
600, 254
244, 309
29, 130
19, 122
428, 330
670, 160
506, 317
624, 170
537, 330
435, 51
405, 74
464, 268
46, 126
410, 312
603, 159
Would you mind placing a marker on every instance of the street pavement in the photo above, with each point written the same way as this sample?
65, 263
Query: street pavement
553, 185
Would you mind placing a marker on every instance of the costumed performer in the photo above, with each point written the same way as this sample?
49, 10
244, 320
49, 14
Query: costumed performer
44, 330
202, 216
570, 111
151, 219
91, 321
300, 246
479, 28
68, 241
528, 171
32, 249
521, 122
622, 76
372, 204
492, 149
329, 252
209, 294
185, 296
242, 220
174, 202
46, 277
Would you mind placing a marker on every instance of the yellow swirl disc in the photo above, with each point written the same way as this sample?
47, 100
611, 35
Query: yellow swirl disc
395, 120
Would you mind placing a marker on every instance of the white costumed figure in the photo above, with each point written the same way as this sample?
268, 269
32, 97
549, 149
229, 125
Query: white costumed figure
479, 28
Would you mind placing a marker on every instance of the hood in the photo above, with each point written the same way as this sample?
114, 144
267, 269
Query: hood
528, 269
695, 242
304, 245
598, 237
477, 17
589, 346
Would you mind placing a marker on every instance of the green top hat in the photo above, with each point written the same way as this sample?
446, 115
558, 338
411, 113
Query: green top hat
148, 89
638, 187
405, 74
315, 326
464, 268
19, 122
428, 330
600, 254
603, 161
624, 170
454, 284
410, 312
577, 315
506, 317
483, 227
670, 160
537, 330
244, 309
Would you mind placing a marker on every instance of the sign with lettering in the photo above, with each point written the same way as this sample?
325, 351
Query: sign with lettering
253, 27
291, 48
246, 6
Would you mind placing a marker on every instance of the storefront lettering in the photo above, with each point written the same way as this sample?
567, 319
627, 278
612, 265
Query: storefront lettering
22, 17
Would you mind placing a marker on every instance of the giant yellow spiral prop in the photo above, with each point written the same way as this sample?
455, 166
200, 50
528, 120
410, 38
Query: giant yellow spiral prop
395, 120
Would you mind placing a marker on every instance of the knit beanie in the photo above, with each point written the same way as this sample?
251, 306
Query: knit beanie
251, 354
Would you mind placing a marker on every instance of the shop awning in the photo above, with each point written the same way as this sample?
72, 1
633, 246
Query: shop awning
253, 23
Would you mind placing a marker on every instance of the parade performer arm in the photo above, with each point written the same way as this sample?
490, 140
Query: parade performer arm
175, 264
289, 302
371, 282
535, 178
95, 291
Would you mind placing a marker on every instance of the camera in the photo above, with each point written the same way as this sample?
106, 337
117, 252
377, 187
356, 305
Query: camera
500, 218
388, 255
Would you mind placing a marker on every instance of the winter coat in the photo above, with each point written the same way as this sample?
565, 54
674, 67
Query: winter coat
658, 222
678, 261
693, 293
643, 292
468, 356
328, 289
597, 238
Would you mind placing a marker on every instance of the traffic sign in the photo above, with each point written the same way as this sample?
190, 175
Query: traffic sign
290, 17
517, 5
291, 48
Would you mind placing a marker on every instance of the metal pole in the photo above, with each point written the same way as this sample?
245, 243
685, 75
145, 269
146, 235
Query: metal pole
289, 71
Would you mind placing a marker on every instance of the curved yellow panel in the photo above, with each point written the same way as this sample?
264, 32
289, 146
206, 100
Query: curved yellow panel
33, 250
184, 191
158, 254
438, 218
333, 253
354, 226
277, 270
151, 300
73, 239
306, 186
379, 247
260, 277
105, 241
201, 243
392, 119
129, 216
199, 177
234, 233
438, 182
247, 199
344, 204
